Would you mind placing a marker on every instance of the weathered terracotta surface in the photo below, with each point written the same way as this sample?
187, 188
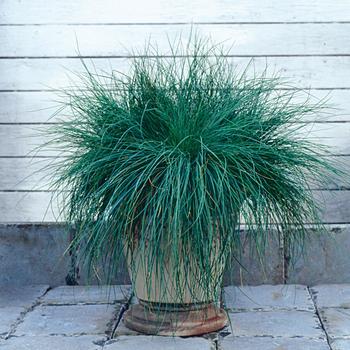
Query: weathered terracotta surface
162, 287
185, 321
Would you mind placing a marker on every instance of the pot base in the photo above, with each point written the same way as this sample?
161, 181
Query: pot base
182, 321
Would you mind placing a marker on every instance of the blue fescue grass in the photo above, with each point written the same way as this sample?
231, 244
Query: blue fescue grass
173, 157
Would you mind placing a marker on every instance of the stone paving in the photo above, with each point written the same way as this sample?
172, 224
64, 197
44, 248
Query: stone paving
282, 317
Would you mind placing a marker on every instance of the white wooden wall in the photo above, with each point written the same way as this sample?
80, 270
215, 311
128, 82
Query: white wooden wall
309, 41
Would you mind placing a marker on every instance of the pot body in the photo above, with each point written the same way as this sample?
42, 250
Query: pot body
185, 305
161, 285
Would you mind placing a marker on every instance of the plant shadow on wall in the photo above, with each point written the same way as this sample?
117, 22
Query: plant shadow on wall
164, 164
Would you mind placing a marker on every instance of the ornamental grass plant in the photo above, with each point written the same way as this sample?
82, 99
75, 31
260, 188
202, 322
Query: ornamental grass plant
172, 158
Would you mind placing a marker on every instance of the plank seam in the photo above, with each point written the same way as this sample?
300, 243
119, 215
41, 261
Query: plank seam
170, 23
305, 88
343, 224
61, 157
294, 123
308, 88
30, 157
169, 56
340, 189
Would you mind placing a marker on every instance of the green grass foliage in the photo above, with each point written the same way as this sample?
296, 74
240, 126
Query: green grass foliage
175, 156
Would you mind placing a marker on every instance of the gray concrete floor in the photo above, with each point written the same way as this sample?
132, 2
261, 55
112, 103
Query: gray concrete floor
288, 317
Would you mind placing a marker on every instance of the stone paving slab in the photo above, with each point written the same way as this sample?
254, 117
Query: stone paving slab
336, 322
264, 317
53, 343
21, 296
268, 297
341, 344
158, 343
332, 295
269, 343
276, 323
67, 320
8, 317
86, 294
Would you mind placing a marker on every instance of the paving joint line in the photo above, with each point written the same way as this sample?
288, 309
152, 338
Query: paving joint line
20, 319
319, 317
118, 318
271, 309
213, 338
116, 302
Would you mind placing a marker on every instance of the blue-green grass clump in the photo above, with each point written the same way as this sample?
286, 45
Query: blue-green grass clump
176, 155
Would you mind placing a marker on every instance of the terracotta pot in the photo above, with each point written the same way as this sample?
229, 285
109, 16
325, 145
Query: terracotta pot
169, 307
